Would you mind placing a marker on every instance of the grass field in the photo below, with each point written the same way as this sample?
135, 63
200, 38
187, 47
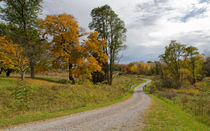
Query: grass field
166, 116
48, 97
183, 109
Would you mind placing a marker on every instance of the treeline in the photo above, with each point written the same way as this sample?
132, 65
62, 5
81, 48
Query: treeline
139, 68
179, 65
28, 43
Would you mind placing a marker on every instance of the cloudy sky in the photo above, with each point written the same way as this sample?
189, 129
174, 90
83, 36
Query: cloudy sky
151, 24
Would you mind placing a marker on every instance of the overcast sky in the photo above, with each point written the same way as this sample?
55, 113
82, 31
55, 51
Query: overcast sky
151, 24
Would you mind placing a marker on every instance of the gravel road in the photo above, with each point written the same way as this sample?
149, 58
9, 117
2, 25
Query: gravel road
123, 116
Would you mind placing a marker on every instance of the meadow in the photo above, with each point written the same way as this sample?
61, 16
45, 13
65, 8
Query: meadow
49, 96
164, 115
187, 108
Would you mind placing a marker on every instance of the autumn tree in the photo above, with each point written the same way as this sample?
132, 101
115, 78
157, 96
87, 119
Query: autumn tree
111, 29
93, 56
181, 65
64, 45
65, 48
5, 31
194, 63
142, 67
207, 66
148, 69
11, 57
157, 68
23, 15
173, 57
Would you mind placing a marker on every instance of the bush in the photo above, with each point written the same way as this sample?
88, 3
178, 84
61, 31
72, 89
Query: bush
187, 91
63, 81
153, 87
171, 84
167, 94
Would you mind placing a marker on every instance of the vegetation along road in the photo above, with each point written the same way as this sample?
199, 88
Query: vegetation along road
121, 116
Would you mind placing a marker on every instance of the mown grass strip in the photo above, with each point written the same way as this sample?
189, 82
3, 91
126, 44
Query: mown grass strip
166, 116
5, 123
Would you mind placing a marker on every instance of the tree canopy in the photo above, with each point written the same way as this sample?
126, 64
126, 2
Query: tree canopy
111, 29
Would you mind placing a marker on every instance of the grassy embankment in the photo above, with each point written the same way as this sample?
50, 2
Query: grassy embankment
44, 98
179, 110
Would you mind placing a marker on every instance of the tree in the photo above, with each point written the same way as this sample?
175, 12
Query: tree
10, 31
173, 59
23, 14
181, 65
11, 56
207, 66
92, 50
65, 49
111, 29
157, 68
148, 69
64, 45
194, 63
142, 66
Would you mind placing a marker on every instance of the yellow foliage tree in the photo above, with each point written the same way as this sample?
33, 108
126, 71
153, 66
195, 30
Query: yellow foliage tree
11, 56
65, 48
148, 68
93, 54
142, 67
64, 45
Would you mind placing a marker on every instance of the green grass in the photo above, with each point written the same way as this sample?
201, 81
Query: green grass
49, 99
7, 81
56, 80
166, 116
191, 99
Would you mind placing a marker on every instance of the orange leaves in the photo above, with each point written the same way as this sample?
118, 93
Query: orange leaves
64, 31
11, 56
60, 25
95, 47
136, 68
92, 51
65, 48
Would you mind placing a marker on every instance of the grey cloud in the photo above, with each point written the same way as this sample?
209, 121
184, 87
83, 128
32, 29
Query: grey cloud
199, 39
204, 1
192, 14
160, 1
141, 53
151, 12
146, 16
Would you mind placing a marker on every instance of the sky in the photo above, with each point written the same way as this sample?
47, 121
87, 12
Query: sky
151, 24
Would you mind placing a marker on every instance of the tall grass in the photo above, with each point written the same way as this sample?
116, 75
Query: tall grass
194, 100
45, 95
164, 115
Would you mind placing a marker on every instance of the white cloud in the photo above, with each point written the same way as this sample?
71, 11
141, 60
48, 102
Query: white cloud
151, 24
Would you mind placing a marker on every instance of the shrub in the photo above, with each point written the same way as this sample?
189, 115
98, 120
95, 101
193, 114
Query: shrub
63, 81
22, 95
167, 94
187, 91
184, 100
153, 87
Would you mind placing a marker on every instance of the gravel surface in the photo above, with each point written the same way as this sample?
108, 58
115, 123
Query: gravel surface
123, 116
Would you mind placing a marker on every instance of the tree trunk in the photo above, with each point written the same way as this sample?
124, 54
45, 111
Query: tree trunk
32, 69
106, 71
71, 78
110, 71
8, 72
97, 77
193, 72
22, 75
111, 76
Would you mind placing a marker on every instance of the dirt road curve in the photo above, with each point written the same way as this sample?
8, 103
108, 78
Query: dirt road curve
124, 116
